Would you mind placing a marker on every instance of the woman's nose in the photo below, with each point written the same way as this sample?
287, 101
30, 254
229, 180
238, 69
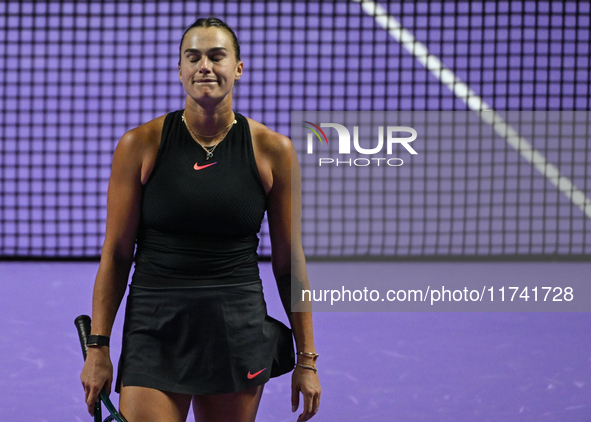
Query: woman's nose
205, 65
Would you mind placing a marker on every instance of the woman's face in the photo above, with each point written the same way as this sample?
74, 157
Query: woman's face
208, 67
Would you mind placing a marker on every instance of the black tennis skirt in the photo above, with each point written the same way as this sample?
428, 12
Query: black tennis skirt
202, 340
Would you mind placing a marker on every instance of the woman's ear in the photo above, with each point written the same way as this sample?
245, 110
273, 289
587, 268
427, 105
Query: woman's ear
239, 68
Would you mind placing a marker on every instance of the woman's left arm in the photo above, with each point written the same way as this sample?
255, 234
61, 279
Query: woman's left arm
289, 268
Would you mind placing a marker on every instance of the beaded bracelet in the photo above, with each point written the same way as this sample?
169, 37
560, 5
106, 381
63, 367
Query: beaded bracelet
312, 368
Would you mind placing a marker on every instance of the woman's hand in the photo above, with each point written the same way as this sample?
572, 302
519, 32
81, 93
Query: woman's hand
96, 375
305, 381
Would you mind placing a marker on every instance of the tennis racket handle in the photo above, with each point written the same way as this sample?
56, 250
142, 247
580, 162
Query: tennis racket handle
83, 326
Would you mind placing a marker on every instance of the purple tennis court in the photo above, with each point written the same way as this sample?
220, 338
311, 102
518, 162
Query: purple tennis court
494, 201
374, 366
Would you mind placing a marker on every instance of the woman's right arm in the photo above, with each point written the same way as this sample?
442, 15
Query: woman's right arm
129, 170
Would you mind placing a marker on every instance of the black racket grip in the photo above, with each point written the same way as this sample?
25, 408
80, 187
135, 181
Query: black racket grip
83, 326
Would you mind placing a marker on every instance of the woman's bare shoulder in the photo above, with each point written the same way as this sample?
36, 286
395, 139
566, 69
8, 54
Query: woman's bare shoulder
269, 141
144, 137
140, 146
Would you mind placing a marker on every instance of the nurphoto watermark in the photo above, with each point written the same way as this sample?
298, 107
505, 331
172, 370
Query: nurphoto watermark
354, 139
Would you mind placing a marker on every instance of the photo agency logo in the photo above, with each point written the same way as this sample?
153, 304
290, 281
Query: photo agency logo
390, 133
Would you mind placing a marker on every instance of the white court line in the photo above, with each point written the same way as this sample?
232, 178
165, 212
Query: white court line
477, 104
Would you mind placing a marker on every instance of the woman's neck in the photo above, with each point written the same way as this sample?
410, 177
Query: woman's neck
208, 121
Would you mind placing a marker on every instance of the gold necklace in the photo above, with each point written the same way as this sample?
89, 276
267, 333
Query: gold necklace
209, 149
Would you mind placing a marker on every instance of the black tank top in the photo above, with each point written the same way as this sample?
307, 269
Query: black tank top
200, 218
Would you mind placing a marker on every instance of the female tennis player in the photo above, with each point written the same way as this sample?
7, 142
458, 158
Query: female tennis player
190, 188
